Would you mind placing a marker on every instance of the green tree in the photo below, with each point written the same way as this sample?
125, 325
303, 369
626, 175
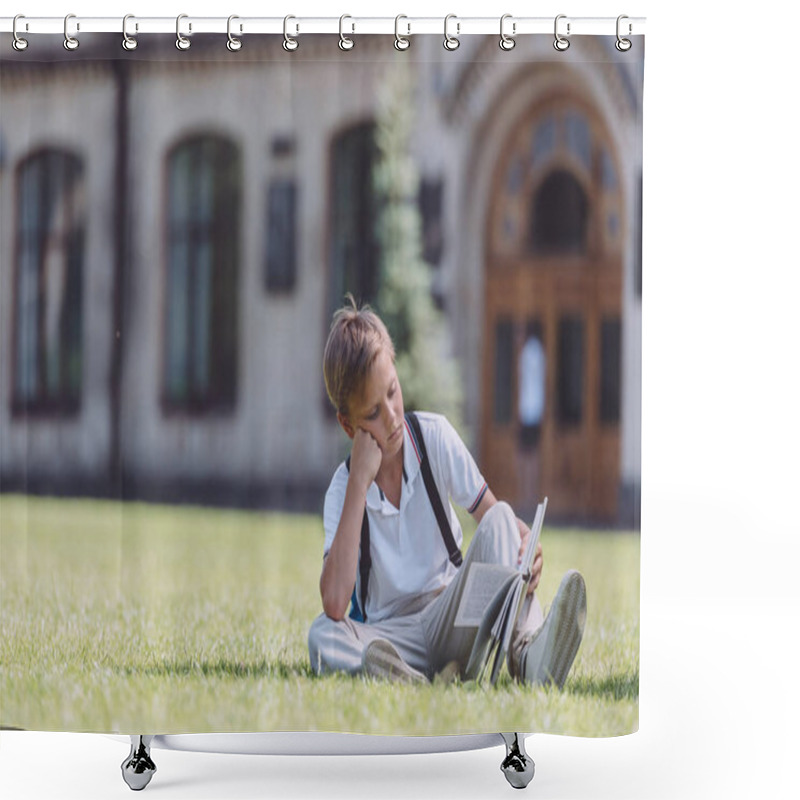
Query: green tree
428, 372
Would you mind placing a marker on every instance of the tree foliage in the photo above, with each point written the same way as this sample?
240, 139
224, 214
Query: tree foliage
428, 372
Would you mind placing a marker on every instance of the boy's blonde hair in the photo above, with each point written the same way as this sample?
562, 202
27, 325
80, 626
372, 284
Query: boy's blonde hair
356, 338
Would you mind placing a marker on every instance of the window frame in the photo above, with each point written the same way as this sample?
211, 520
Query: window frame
609, 394
368, 284
538, 245
222, 232
504, 379
571, 383
65, 401
282, 202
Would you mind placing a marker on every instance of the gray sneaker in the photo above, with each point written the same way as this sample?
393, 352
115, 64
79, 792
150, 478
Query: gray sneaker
381, 660
549, 654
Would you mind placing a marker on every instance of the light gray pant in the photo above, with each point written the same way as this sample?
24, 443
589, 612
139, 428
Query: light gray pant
426, 636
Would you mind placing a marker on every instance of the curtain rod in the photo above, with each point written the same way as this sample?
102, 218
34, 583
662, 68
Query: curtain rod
75, 25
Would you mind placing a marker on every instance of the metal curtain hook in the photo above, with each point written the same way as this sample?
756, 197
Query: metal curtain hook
561, 43
401, 42
451, 42
181, 42
128, 42
233, 43
18, 43
70, 42
623, 45
290, 43
344, 42
507, 42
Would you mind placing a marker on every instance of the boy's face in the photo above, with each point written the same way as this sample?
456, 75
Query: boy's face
378, 407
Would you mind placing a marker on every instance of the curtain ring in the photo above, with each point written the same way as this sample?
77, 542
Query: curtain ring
18, 43
70, 42
507, 42
623, 45
182, 43
128, 42
401, 42
345, 43
290, 43
451, 42
233, 44
561, 43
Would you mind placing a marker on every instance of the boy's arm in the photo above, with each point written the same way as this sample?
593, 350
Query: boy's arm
454, 452
339, 568
487, 501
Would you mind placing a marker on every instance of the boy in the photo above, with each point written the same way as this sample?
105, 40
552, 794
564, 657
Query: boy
385, 538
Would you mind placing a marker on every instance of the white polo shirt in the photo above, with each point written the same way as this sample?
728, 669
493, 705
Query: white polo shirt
409, 556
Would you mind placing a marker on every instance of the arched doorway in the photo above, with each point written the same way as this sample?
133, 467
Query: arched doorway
553, 324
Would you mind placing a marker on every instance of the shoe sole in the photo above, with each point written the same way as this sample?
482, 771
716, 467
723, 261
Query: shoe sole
381, 660
566, 629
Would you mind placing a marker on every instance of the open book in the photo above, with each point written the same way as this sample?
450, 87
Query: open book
492, 600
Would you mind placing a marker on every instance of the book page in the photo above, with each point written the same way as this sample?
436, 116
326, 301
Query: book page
536, 530
482, 584
492, 599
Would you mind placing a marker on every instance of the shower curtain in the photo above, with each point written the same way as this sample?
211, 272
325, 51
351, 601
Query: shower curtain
178, 229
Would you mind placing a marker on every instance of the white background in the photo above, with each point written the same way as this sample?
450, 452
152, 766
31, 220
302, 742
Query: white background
720, 704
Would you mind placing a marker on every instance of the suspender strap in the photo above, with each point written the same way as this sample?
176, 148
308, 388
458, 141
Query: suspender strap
365, 557
364, 561
364, 564
433, 493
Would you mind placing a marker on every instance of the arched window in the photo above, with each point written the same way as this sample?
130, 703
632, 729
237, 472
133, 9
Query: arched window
48, 300
204, 177
354, 253
560, 216
558, 188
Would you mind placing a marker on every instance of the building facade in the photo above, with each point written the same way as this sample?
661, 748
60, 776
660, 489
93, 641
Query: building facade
176, 230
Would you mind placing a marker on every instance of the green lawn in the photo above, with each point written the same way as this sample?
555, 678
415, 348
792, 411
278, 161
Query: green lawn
139, 618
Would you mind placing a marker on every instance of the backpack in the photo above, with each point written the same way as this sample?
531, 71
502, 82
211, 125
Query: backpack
359, 605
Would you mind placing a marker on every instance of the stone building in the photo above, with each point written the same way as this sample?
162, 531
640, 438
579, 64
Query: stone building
176, 228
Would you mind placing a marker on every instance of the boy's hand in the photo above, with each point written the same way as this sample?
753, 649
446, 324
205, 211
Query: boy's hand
538, 559
365, 458
536, 569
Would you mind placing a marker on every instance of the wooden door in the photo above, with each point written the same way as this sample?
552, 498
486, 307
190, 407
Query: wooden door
553, 264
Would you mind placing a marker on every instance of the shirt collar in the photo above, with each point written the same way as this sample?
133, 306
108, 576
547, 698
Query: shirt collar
411, 455
374, 499
411, 468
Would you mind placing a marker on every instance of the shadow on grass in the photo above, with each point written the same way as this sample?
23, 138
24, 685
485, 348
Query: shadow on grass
611, 687
224, 668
